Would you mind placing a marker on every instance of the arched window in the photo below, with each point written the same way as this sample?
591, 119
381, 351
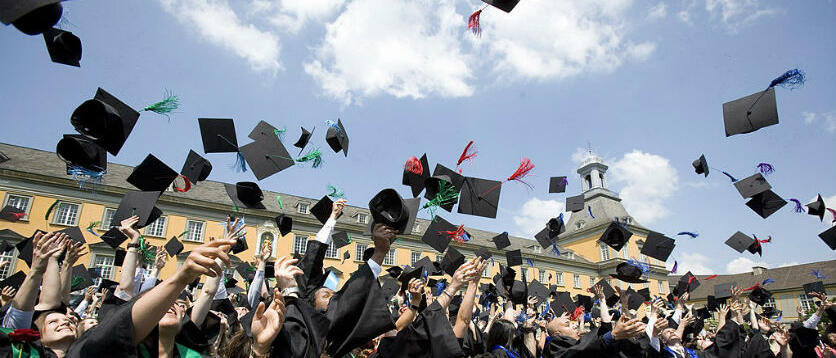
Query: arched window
588, 180
601, 176
265, 238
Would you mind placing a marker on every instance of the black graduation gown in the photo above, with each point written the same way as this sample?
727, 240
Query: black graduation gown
589, 345
303, 333
471, 345
6, 350
112, 337
430, 336
727, 342
758, 347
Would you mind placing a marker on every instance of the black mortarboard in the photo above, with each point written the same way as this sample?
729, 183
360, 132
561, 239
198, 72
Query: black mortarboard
628, 273
701, 165
752, 185
106, 120
139, 203
557, 184
616, 236
436, 234
240, 245
585, 301
230, 282
563, 303
536, 289
409, 274
811, 287
433, 185
416, 181
483, 253
658, 246
173, 246
31, 16
634, 299
390, 287
711, 303
452, 260
74, 233
5, 247
804, 339
337, 138
218, 135
340, 239
744, 115
395, 271
224, 306
519, 292
114, 237
501, 241
513, 258
547, 236
81, 278
322, 209
575, 203
245, 194
13, 281
24, 248
755, 248
263, 130
387, 207
724, 290
759, 295
11, 213
152, 175
266, 156
269, 270
740, 241
687, 283
196, 168
645, 293
63, 47
455, 177
285, 224
817, 208
413, 205
766, 203
480, 197
829, 237
76, 149
504, 5
346, 255
303, 139
119, 257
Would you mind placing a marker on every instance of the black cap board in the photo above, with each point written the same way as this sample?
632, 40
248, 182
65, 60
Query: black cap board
78, 150
11, 213
63, 47
829, 237
337, 138
740, 241
628, 273
634, 299
395, 271
303, 139
340, 239
501, 241
752, 185
812, 287
687, 283
455, 177
817, 208
616, 236
438, 183
543, 238
196, 168
240, 245
536, 289
119, 257
483, 253
766, 203
452, 260
658, 246
74, 233
14, 281
114, 237
563, 304
266, 156
284, 223
152, 175
609, 292
173, 246
513, 258
263, 130
519, 292
106, 120
31, 16
139, 203
428, 265
245, 194
388, 208
416, 181
760, 295
585, 302
409, 274
724, 290
504, 5
557, 184
712, 303
24, 248
436, 235
218, 135
701, 165
575, 203
480, 197
744, 115
80, 278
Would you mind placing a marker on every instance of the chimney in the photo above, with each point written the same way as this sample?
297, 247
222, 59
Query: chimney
758, 270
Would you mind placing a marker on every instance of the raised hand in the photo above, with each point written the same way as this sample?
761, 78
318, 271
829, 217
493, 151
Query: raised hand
233, 232
7, 294
89, 292
463, 274
267, 323
160, 259
74, 251
627, 328
382, 233
266, 251
201, 261
45, 246
416, 286
479, 264
286, 272
532, 301
599, 292
128, 228
659, 326
657, 306
337, 208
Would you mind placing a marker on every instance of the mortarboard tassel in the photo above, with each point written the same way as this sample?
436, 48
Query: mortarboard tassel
645, 268
49, 210
187, 185
413, 165
589, 210
818, 274
578, 311
240, 163
756, 286
492, 263
76, 281
832, 212
91, 226
791, 79
183, 233
439, 287
279, 201
767, 281
166, 106
84, 176
335, 192
332, 124
766, 168
733, 180
522, 171
530, 263
556, 252
313, 156
280, 133
675, 266
447, 194
798, 207
710, 277
466, 155
473, 23
693, 235
144, 250
459, 235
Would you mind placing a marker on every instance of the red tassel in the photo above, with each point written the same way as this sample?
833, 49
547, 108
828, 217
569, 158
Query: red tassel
832, 212
710, 277
753, 287
691, 279
522, 171
414, 166
473, 23
578, 312
18, 216
186, 186
457, 235
466, 156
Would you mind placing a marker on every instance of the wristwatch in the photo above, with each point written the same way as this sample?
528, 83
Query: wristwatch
290, 290
414, 307
132, 245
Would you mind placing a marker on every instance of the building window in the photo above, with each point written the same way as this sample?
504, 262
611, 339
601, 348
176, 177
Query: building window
487, 271
195, 229
300, 244
577, 279
625, 252
66, 214
107, 219
333, 252
542, 276
806, 302
11, 258
591, 281
570, 255
416, 229
157, 228
20, 202
414, 256
303, 208
105, 265
605, 251
661, 287
361, 218
390, 258
358, 251
266, 238
559, 276
588, 180
770, 303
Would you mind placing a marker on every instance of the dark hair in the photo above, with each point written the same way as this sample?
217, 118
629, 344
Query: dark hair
238, 346
501, 334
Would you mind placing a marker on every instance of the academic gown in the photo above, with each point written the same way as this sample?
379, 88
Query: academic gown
30, 349
727, 342
112, 337
758, 347
590, 344
473, 346
429, 336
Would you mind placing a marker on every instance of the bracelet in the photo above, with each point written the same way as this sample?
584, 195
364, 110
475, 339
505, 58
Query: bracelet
448, 293
132, 245
290, 290
414, 307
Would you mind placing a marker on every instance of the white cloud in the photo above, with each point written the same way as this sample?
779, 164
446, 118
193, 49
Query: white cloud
218, 24
743, 264
535, 213
649, 180
658, 11
397, 47
785, 264
828, 119
292, 15
641, 52
736, 14
695, 262
579, 155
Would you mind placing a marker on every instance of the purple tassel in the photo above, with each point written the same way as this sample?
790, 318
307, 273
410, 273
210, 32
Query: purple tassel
440, 286
766, 168
675, 266
730, 177
691, 234
530, 263
798, 207
589, 209
767, 281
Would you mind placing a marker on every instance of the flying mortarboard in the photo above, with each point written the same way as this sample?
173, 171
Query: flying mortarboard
563, 304
645, 294
504, 5
388, 208
218, 135
337, 138
752, 185
266, 156
483, 253
812, 287
543, 238
141, 204
435, 185
31, 17
501, 241
585, 302
14, 281
303, 139
80, 278
452, 261
395, 271
557, 184
262, 130
628, 273
11, 213
245, 194
634, 299
766, 203
456, 178
63, 47
480, 197
817, 208
712, 304
687, 283
744, 115
829, 237
436, 235
409, 274
658, 246
173, 246
740, 241
74, 233
575, 203
760, 295
701, 165
724, 290
417, 181
152, 175
5, 247
536, 289
24, 248
118, 258
513, 258
240, 245
340, 239
616, 236
196, 168
78, 150
284, 223
519, 292
106, 120
114, 237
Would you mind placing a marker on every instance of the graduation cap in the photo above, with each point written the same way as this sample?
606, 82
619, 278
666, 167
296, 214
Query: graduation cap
501, 241
417, 181
452, 261
436, 235
609, 293
388, 208
303, 139
759, 295
284, 223
78, 150
31, 17
563, 304
513, 258
218, 135
504, 5
346, 255
81, 278
337, 138
322, 209
395, 271
519, 292
409, 274
240, 245
557, 184
634, 299
74, 233
812, 287
628, 273
480, 197
119, 258
817, 208
24, 248
766, 203
553, 229
266, 156
829, 237
152, 175
724, 290
750, 113
456, 178
701, 165
340, 239
658, 246
616, 236
483, 253
645, 294
575, 203
263, 130
429, 266
752, 185
740, 241
246, 271
585, 302
13, 281
114, 237
141, 204
536, 289
63, 47
712, 304
245, 194
173, 246
11, 213
441, 184
106, 120
390, 287
687, 283
196, 168
5, 247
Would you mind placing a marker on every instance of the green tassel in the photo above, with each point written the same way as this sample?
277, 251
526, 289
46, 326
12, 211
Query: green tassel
279, 200
447, 194
314, 156
92, 225
76, 281
146, 253
335, 192
251, 268
280, 133
164, 107
349, 239
183, 233
49, 210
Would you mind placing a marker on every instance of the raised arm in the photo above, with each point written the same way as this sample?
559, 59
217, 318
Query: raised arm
466, 308
210, 287
606, 317
44, 246
257, 286
51, 286
463, 274
74, 251
125, 289
416, 286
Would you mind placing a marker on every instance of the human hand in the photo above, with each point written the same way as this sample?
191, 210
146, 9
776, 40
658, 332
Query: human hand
416, 286
127, 228
532, 301
463, 274
657, 306
267, 322
201, 261
659, 326
160, 259
74, 251
599, 292
627, 328
7, 294
479, 264
89, 292
799, 311
688, 319
337, 208
266, 251
723, 309
286, 273
233, 232
45, 246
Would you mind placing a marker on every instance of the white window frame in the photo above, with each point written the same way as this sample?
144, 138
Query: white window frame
542, 275
770, 302
414, 256
416, 229
11, 257
108, 268
107, 220
807, 303
25, 209
577, 280
300, 244
333, 252
559, 277
604, 251
391, 258
487, 271
362, 218
302, 208
190, 236
661, 287
57, 210
147, 230
358, 251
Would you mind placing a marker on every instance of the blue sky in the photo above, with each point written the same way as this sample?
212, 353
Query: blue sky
643, 82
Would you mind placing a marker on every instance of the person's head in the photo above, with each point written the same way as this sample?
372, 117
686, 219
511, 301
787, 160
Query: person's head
702, 342
86, 324
829, 336
669, 337
764, 324
321, 298
563, 326
501, 334
241, 311
56, 328
173, 318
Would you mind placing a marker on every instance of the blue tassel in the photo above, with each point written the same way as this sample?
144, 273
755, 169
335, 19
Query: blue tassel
818, 274
688, 233
440, 286
780, 316
530, 263
332, 124
645, 268
791, 79
556, 252
798, 207
733, 180
589, 209
240, 163
85, 176
560, 218
766, 168
767, 281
